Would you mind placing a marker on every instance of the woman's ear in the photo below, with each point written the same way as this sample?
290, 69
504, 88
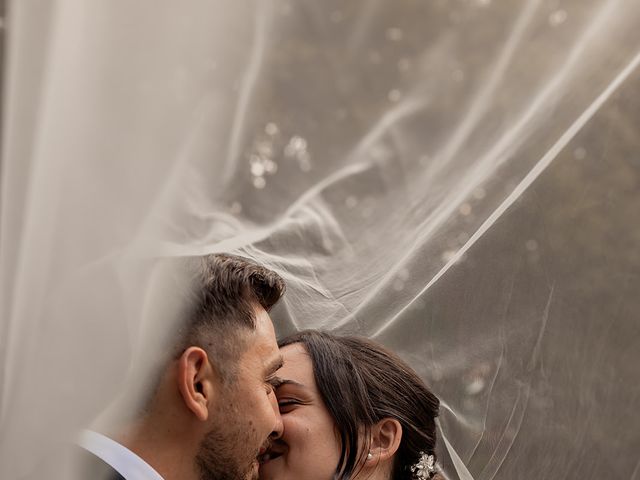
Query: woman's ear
385, 441
196, 382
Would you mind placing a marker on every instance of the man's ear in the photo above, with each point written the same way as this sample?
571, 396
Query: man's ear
196, 381
385, 441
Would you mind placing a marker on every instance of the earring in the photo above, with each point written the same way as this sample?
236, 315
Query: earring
369, 456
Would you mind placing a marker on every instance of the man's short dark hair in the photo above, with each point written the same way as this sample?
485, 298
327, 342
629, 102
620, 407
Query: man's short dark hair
207, 302
225, 291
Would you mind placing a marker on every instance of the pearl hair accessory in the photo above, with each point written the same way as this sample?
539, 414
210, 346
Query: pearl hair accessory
425, 468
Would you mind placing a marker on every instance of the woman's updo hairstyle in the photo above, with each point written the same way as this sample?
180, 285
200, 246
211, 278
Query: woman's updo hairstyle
361, 383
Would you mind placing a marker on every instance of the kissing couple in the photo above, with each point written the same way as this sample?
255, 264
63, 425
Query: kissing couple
229, 402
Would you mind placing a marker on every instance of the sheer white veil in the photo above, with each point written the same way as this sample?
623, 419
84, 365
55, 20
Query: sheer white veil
457, 179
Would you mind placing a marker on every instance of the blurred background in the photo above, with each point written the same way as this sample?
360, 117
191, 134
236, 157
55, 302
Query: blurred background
457, 179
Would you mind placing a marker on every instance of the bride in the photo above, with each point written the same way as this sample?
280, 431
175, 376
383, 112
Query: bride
351, 410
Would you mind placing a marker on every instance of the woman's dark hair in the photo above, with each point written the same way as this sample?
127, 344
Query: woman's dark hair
361, 383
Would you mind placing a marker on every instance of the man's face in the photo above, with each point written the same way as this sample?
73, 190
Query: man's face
247, 417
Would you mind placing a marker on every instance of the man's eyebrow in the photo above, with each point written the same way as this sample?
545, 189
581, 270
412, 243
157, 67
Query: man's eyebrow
286, 381
275, 365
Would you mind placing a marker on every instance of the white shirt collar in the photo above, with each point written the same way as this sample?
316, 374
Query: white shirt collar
121, 459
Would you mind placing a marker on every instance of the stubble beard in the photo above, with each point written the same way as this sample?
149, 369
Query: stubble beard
221, 457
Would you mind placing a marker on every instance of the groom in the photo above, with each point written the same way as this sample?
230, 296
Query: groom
212, 411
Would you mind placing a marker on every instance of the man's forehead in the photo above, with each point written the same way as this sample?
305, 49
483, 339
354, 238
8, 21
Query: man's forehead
263, 320
262, 341
270, 356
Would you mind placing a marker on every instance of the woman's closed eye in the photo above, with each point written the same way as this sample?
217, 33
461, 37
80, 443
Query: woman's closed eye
291, 394
288, 404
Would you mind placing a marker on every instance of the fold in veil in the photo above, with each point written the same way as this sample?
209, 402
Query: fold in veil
456, 179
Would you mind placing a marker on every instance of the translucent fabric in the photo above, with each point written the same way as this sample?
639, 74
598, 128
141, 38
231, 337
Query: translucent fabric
457, 179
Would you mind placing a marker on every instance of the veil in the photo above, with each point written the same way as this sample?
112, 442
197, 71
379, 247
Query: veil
457, 179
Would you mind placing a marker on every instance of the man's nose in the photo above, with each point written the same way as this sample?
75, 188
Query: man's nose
278, 427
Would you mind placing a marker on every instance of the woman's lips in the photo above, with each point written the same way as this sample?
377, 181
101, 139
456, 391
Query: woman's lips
275, 450
269, 455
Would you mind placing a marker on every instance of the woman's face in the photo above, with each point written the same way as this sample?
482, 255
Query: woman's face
309, 447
